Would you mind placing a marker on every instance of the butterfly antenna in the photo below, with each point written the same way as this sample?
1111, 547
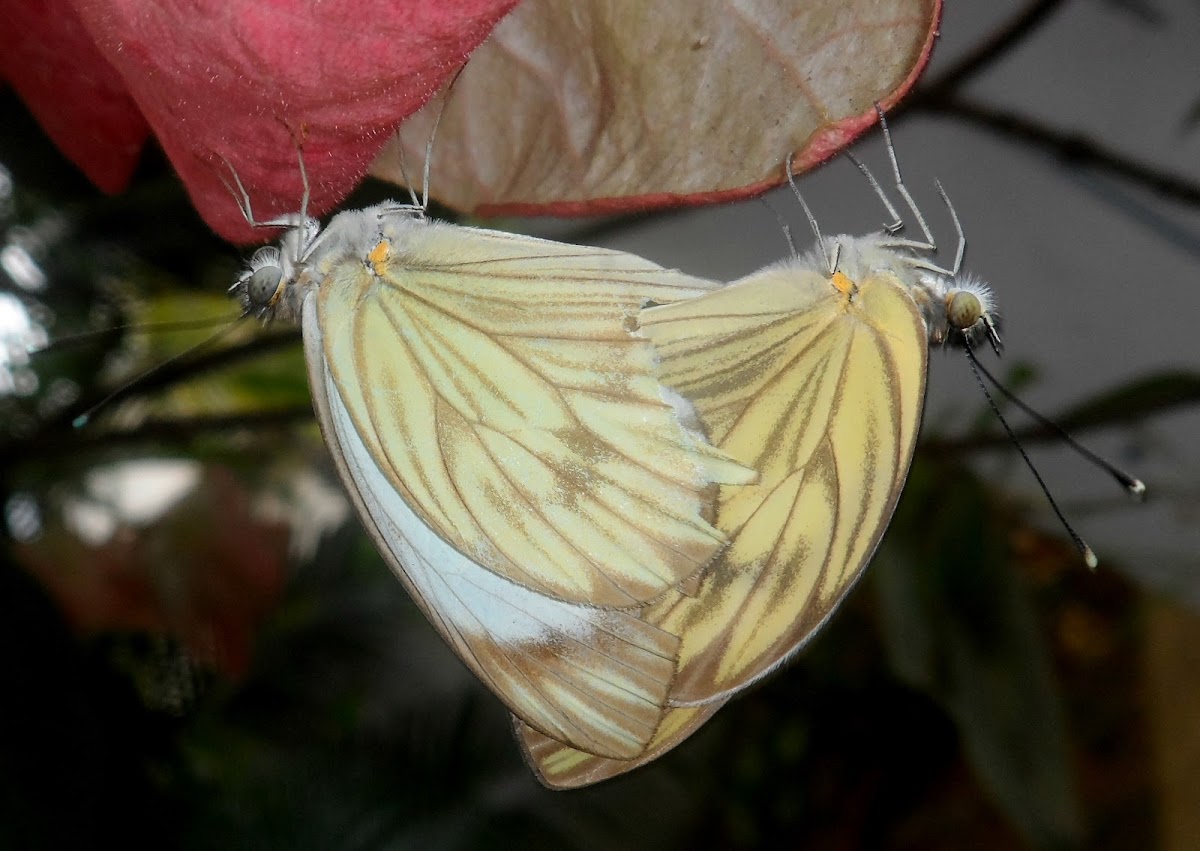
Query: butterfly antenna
897, 222
1089, 557
68, 340
831, 265
84, 418
1133, 486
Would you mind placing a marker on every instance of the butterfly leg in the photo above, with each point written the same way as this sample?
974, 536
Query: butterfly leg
929, 244
242, 198
958, 228
897, 222
830, 262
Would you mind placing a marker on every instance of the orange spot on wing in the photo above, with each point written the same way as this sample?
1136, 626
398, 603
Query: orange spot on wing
379, 254
843, 284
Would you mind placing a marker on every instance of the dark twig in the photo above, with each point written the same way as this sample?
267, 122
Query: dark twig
180, 431
174, 431
942, 96
992, 48
1074, 148
188, 368
1039, 434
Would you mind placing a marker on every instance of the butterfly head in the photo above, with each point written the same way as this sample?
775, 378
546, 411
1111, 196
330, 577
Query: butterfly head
957, 308
263, 287
964, 311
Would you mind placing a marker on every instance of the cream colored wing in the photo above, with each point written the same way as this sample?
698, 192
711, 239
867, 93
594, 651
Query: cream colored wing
499, 384
560, 766
595, 678
822, 393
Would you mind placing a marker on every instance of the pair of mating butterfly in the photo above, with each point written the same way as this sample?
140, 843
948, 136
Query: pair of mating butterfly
620, 493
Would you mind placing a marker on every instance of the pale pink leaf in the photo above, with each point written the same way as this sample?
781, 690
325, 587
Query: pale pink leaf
608, 105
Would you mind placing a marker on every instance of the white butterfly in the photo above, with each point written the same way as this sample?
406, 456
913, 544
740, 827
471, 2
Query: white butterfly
811, 371
496, 417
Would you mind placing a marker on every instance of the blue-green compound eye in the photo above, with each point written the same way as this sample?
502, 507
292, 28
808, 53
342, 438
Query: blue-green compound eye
963, 309
263, 285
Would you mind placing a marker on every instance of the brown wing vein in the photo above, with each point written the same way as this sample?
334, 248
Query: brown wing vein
360, 355
421, 327
498, 341
827, 440
648, 533
789, 364
601, 275
537, 510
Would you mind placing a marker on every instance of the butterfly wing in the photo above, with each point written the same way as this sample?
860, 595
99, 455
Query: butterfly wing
560, 766
822, 393
498, 383
595, 678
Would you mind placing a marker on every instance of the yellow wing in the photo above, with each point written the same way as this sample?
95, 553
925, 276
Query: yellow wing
498, 382
822, 392
560, 766
595, 678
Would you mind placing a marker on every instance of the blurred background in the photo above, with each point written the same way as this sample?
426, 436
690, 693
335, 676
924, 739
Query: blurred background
204, 649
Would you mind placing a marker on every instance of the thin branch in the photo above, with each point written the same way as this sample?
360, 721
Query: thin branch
1074, 148
183, 370
173, 431
180, 431
1039, 434
940, 96
986, 52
